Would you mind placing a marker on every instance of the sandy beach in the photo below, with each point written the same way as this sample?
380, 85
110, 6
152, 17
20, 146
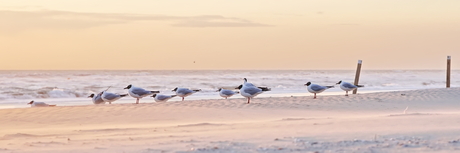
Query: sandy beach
371, 122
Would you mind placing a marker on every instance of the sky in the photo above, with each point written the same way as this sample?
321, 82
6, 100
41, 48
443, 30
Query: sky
227, 35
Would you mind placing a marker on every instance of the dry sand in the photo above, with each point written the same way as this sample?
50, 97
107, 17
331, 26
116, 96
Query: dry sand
373, 122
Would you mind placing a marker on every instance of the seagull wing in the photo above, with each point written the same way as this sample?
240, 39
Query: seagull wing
316, 87
140, 91
349, 85
184, 91
252, 90
110, 96
227, 92
163, 97
40, 104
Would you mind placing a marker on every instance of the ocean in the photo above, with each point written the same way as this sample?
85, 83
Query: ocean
66, 88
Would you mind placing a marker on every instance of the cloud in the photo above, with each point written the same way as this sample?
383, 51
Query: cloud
52, 19
346, 24
216, 21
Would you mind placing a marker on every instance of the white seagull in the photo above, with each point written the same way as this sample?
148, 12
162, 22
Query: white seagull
97, 98
184, 92
249, 90
226, 93
138, 93
39, 104
348, 86
111, 97
314, 88
162, 98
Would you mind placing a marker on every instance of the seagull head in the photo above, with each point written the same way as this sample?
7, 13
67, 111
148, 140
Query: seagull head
175, 89
245, 80
239, 87
91, 96
308, 84
339, 82
30, 103
154, 95
128, 87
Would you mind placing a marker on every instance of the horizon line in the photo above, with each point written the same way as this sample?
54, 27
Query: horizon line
206, 69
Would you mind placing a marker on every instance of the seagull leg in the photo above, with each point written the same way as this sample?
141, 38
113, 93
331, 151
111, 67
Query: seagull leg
346, 93
182, 98
225, 97
137, 100
110, 102
314, 96
249, 99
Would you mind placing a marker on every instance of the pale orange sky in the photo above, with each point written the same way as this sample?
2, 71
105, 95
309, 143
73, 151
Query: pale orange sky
218, 34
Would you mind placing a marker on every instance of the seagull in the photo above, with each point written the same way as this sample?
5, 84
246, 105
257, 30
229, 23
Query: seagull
39, 104
111, 97
348, 86
139, 93
249, 90
184, 92
227, 93
314, 88
162, 98
97, 98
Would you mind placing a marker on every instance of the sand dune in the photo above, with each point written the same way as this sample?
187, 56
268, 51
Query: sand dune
373, 122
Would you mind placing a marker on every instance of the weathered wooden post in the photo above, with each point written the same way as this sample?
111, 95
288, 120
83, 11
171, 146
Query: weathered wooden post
448, 73
358, 71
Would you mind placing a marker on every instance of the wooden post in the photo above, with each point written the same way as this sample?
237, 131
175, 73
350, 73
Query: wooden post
358, 71
448, 73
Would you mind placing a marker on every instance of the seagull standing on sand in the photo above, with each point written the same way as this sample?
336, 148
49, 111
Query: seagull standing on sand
97, 98
348, 86
162, 98
111, 97
249, 90
314, 88
226, 93
39, 104
139, 93
184, 92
